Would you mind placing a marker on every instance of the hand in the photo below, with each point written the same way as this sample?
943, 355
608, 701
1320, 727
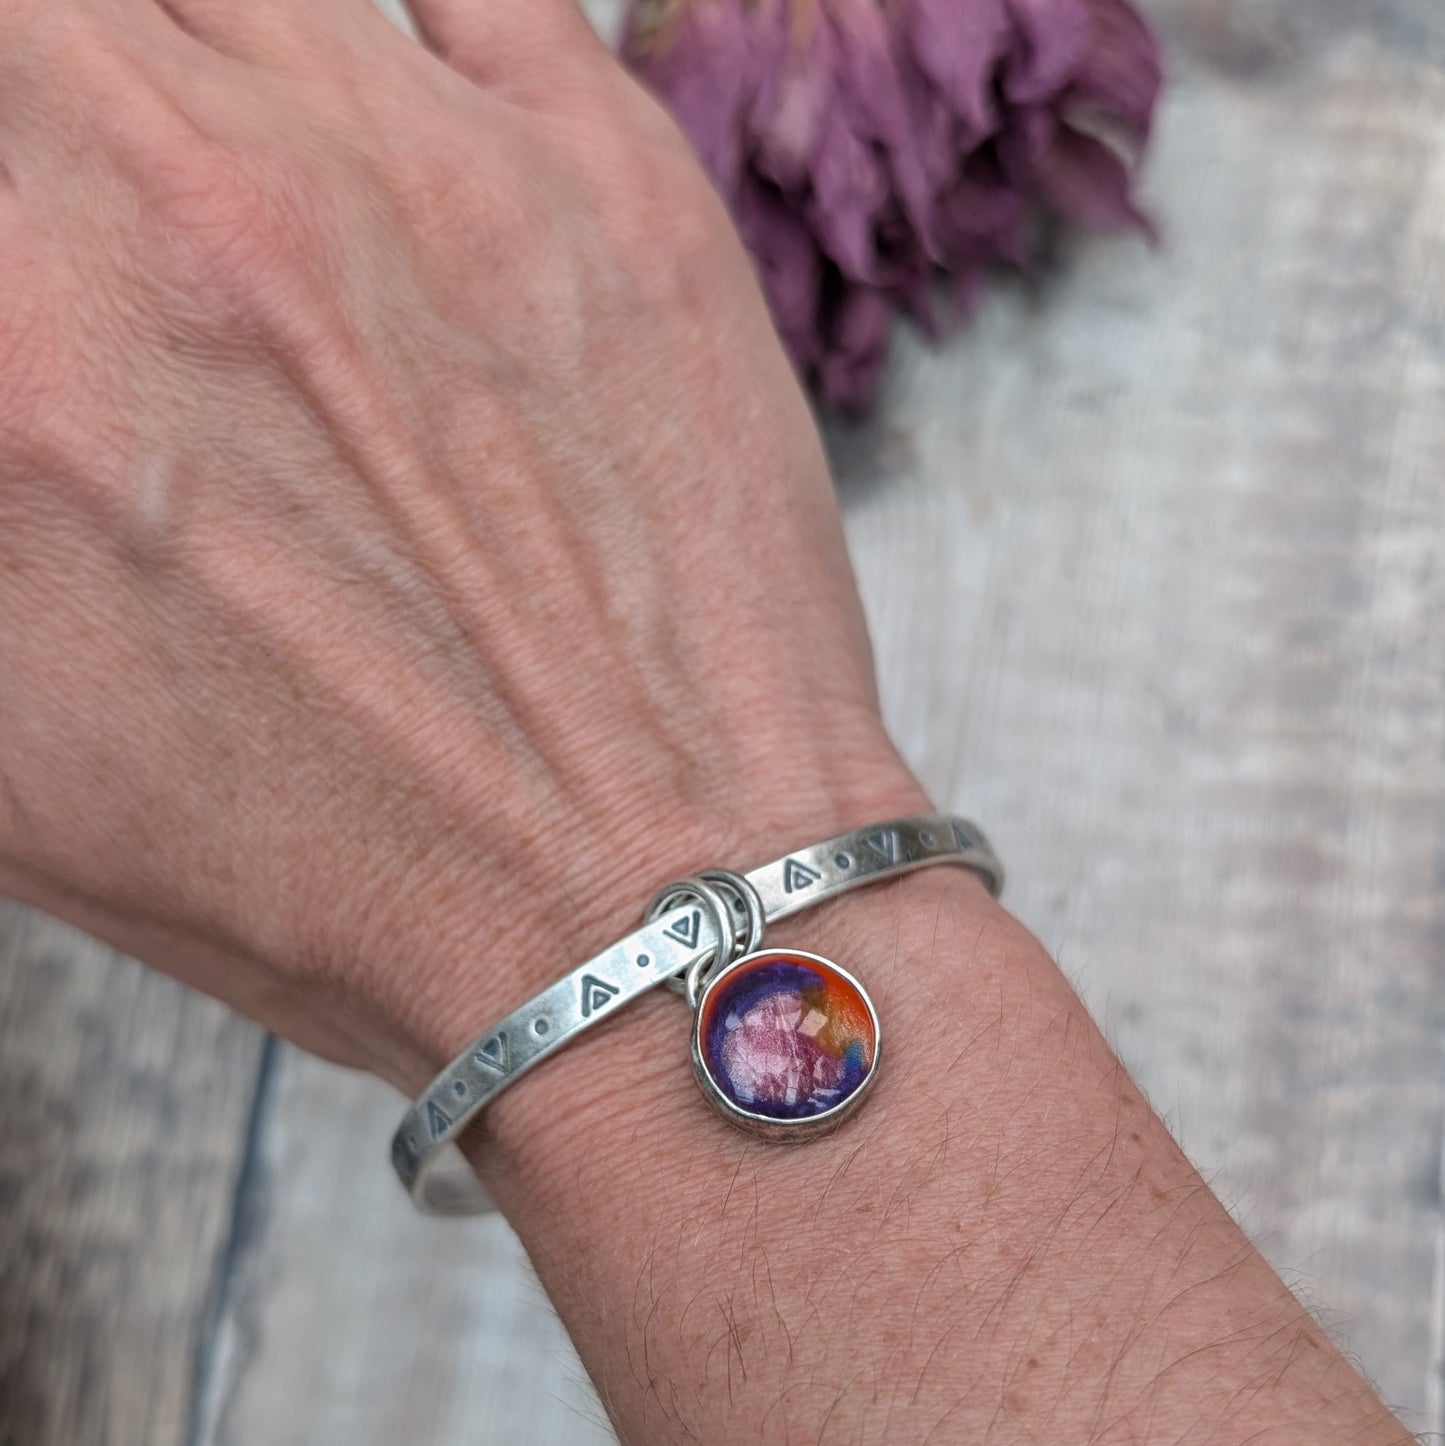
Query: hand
413, 545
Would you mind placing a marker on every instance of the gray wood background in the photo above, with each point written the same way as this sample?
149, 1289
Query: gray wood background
1187, 512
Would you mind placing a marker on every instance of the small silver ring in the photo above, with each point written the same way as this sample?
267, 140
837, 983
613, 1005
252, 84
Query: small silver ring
750, 901
707, 886
752, 904
690, 982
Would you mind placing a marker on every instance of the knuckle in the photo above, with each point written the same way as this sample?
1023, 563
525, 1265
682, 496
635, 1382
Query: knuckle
233, 210
77, 53
242, 223
659, 209
226, 212
458, 201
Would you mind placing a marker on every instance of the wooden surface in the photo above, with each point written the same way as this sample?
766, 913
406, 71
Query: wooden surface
1188, 513
123, 1128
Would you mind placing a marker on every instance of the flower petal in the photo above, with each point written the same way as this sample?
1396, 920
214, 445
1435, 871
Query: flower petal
1122, 74
872, 98
982, 214
849, 189
700, 65
1051, 43
797, 80
1087, 183
865, 144
856, 347
959, 45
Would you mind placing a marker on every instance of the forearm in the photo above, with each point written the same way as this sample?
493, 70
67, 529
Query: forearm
1004, 1243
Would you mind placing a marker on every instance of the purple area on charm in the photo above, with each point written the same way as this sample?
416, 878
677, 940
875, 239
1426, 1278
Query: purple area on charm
786, 1037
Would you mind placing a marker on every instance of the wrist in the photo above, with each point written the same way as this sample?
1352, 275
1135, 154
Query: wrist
623, 1097
1004, 1232
457, 953
654, 1224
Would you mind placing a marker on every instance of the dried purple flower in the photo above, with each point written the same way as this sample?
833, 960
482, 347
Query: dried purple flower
864, 146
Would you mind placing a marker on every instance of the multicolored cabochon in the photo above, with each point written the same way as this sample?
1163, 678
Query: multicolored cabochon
785, 1041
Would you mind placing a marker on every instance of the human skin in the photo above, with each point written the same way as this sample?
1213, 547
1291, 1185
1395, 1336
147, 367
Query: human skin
413, 549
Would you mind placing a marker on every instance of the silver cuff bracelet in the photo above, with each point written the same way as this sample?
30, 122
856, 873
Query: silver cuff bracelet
784, 1043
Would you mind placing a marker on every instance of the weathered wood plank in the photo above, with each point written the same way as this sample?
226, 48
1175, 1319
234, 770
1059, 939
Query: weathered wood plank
126, 1101
353, 1319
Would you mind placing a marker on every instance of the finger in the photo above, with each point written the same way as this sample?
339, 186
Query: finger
62, 67
507, 44
276, 34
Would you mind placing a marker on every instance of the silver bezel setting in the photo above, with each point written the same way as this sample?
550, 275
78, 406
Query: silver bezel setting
769, 1127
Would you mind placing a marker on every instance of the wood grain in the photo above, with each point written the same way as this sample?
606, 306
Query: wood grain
353, 1319
1186, 515
123, 1130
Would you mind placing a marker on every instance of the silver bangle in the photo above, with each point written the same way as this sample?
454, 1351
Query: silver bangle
784, 1043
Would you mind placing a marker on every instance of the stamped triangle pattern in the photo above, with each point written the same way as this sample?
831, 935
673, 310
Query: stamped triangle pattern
437, 1120
884, 844
494, 1053
685, 931
595, 994
798, 876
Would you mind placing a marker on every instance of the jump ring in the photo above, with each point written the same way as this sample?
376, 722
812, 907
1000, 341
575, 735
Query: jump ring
748, 898
752, 904
696, 887
707, 888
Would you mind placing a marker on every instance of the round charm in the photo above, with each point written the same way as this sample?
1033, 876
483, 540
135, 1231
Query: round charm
785, 1043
